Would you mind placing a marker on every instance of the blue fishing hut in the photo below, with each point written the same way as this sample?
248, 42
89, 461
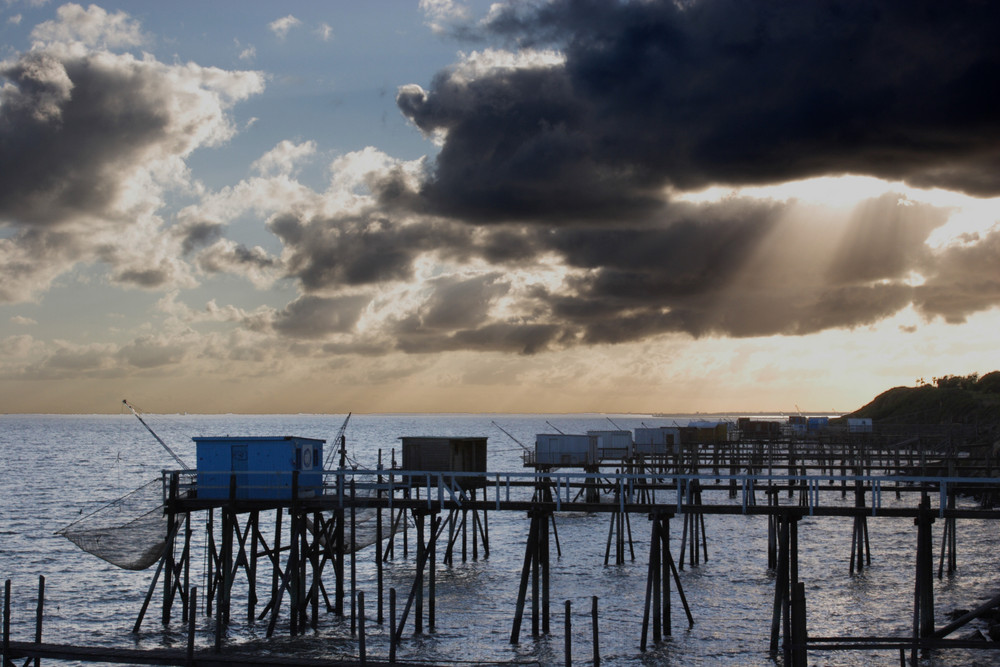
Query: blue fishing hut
263, 466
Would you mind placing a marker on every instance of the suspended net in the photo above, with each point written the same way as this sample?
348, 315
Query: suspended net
130, 532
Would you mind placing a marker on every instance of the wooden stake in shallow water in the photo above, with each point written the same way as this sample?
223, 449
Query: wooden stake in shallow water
536, 568
923, 593
661, 568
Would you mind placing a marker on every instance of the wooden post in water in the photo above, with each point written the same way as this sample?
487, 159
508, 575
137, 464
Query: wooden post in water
567, 631
353, 549
418, 615
362, 654
6, 622
772, 529
949, 544
193, 596
423, 553
653, 585
39, 611
338, 545
392, 622
594, 632
529, 548
923, 593
799, 634
170, 566
860, 548
432, 574
660, 569
379, 578
786, 579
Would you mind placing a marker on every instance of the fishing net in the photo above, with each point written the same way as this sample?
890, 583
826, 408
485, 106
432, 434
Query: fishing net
130, 532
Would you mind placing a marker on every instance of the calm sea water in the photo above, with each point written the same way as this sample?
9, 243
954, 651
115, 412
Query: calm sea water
55, 469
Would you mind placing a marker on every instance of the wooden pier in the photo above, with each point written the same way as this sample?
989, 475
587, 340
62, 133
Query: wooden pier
297, 556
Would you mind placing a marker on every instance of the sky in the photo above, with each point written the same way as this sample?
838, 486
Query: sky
448, 206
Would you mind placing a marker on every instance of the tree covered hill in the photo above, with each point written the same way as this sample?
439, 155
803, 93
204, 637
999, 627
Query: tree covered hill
951, 399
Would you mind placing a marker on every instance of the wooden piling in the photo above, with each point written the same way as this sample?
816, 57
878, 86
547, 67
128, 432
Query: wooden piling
39, 611
353, 550
193, 596
567, 632
362, 653
923, 594
798, 622
394, 635
594, 632
6, 620
530, 550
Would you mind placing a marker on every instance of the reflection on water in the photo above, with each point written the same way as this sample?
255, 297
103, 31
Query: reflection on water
55, 468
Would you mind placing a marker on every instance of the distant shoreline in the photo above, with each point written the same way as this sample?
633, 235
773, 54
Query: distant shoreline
773, 413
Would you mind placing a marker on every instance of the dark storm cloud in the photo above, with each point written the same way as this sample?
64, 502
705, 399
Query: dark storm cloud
570, 164
234, 257
736, 268
150, 277
198, 234
360, 250
964, 280
657, 94
67, 129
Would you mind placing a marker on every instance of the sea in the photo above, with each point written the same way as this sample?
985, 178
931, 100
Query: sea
55, 469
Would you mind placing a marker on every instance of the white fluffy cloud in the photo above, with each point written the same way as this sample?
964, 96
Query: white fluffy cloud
281, 27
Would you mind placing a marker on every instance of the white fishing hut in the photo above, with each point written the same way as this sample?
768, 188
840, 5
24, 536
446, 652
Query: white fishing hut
565, 450
612, 445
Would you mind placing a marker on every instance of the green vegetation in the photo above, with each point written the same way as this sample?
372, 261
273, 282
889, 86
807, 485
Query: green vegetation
951, 399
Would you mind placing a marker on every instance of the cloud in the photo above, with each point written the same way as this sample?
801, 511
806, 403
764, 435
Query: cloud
32, 259
90, 141
91, 27
358, 250
23, 321
442, 15
254, 264
661, 95
735, 268
315, 317
246, 53
962, 280
283, 158
281, 27
152, 352
554, 214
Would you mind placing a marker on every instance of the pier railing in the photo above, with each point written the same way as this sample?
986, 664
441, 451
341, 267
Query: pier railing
342, 488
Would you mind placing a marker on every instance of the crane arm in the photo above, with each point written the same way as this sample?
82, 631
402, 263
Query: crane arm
158, 439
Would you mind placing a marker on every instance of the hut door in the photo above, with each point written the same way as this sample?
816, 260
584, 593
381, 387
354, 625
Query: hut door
239, 466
